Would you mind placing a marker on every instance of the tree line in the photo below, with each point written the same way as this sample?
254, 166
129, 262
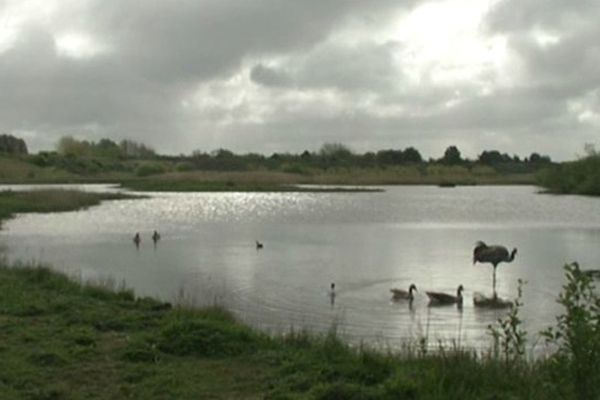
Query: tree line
85, 156
12, 145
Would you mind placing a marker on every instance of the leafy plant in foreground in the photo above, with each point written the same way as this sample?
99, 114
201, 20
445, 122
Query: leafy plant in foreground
508, 335
577, 333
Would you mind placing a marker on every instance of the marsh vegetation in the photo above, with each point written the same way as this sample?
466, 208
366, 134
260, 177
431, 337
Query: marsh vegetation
50, 200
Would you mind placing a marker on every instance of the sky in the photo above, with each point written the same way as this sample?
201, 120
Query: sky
518, 76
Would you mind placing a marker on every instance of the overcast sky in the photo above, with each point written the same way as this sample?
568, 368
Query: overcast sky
287, 75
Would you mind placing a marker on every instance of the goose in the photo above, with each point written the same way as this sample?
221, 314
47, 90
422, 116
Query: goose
445, 298
401, 294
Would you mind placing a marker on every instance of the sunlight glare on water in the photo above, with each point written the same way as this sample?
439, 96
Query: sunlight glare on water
366, 243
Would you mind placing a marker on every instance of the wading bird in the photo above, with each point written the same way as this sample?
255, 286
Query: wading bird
259, 245
401, 294
155, 236
494, 255
445, 298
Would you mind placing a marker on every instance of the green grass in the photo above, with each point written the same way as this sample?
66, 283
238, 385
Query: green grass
61, 339
41, 201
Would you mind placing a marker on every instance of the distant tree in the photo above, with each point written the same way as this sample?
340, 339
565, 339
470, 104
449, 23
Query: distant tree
223, 154
69, 146
106, 148
490, 157
132, 149
10, 144
452, 156
306, 156
412, 155
539, 159
335, 151
390, 156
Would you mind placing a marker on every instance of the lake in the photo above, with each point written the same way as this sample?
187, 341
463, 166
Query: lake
366, 243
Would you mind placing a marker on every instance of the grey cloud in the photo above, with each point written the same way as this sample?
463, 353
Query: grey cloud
367, 66
203, 39
557, 16
267, 76
158, 52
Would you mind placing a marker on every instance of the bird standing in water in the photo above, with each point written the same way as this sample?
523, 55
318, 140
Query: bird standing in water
494, 255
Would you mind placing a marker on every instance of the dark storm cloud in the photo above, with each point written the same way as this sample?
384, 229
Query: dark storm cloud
366, 66
157, 51
201, 39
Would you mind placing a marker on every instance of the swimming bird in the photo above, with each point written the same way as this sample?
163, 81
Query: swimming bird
494, 255
137, 239
401, 294
259, 245
332, 293
445, 298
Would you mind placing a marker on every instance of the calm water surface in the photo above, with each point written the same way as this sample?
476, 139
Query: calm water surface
366, 243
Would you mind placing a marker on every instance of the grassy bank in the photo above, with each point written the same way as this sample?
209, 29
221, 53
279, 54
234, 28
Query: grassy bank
40, 201
60, 339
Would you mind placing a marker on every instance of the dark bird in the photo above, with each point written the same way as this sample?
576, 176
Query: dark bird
259, 245
155, 236
332, 293
445, 298
137, 239
494, 255
401, 294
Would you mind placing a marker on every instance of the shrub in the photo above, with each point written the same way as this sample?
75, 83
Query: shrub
577, 333
149, 169
184, 166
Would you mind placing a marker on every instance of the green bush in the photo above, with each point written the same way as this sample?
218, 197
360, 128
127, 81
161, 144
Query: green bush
148, 169
577, 334
185, 166
576, 177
